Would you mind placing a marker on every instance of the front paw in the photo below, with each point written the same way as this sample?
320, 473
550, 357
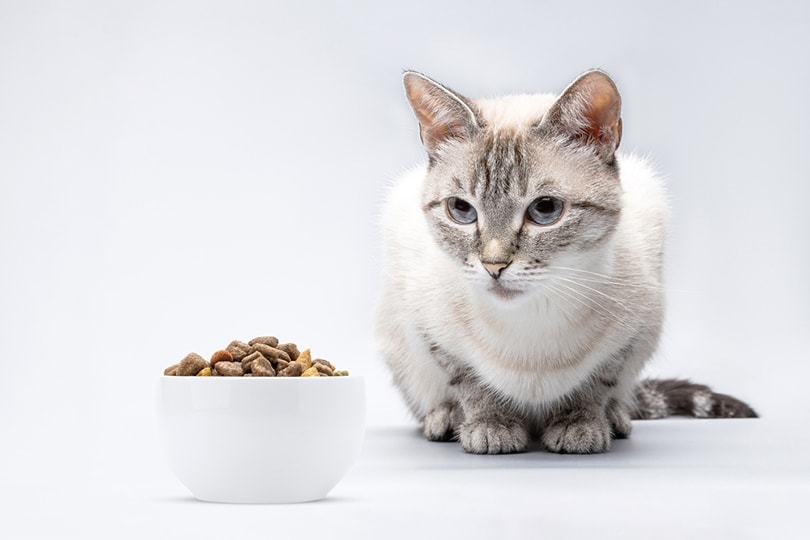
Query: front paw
440, 424
493, 436
578, 435
619, 419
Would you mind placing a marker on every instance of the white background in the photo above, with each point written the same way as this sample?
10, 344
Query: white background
174, 175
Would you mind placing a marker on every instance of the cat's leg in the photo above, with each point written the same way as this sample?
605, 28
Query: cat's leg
581, 426
481, 421
622, 387
423, 383
618, 415
489, 427
597, 412
441, 423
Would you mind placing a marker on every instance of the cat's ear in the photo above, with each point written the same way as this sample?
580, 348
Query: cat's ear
443, 115
588, 113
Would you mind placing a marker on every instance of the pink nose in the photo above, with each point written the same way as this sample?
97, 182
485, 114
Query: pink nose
495, 268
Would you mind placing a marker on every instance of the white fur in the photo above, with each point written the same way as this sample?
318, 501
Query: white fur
512, 348
516, 112
702, 404
522, 347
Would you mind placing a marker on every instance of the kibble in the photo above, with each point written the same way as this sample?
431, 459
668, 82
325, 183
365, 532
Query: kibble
248, 360
311, 372
238, 349
221, 356
295, 369
306, 359
270, 341
291, 349
229, 369
262, 356
324, 362
191, 364
270, 352
261, 367
323, 369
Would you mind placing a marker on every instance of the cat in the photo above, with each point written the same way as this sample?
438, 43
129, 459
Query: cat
522, 285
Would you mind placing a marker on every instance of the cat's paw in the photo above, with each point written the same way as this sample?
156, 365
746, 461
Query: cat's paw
578, 435
619, 418
440, 424
493, 436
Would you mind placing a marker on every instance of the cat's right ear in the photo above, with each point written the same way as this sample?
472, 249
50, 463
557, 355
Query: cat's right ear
443, 115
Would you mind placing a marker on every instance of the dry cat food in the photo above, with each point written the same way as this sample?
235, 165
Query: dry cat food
260, 357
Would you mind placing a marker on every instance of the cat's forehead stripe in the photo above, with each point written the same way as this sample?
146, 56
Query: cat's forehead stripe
501, 167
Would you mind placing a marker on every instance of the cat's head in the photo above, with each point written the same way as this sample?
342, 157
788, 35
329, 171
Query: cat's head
519, 186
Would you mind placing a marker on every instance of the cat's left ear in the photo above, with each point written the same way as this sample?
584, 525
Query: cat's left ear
588, 113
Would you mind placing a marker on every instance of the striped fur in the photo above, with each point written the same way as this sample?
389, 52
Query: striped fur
660, 398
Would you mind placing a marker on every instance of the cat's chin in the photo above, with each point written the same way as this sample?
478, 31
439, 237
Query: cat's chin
505, 295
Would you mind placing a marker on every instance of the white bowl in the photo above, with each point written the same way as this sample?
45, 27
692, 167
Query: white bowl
261, 439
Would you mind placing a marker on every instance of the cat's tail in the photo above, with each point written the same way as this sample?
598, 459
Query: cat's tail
659, 398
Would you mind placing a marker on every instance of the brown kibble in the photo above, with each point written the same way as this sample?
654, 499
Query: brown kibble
229, 369
270, 341
323, 369
305, 358
291, 349
191, 364
311, 372
280, 364
238, 349
268, 351
326, 363
171, 370
342, 373
261, 367
295, 369
247, 360
221, 356
204, 372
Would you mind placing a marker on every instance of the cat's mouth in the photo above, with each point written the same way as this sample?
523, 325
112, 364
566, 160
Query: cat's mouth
502, 292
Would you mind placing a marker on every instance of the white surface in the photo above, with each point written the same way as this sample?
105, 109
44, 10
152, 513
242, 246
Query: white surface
736, 479
174, 175
261, 439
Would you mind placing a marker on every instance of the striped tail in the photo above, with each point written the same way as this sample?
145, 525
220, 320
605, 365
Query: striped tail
659, 398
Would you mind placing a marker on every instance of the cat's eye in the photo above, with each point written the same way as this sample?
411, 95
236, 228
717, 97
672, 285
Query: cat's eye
545, 210
461, 211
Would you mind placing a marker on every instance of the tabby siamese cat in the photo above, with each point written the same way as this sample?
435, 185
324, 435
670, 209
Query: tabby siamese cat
522, 283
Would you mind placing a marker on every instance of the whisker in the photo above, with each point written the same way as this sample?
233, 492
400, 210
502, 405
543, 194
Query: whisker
594, 305
595, 277
597, 291
581, 270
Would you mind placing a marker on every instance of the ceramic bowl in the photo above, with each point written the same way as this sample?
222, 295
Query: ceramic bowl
261, 439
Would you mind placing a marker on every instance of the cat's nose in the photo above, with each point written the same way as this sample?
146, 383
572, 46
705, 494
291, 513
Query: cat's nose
495, 268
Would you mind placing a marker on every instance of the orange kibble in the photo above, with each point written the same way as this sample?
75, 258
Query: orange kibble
221, 356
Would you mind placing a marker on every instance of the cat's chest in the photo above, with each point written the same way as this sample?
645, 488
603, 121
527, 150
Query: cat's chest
534, 355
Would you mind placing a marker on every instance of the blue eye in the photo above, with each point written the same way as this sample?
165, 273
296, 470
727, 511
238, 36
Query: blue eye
461, 211
545, 210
